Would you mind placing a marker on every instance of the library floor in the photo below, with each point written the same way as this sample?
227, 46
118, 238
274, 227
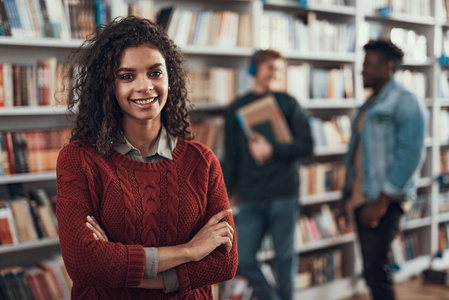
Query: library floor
414, 289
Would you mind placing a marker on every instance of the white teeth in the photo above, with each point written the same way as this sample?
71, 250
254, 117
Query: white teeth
144, 101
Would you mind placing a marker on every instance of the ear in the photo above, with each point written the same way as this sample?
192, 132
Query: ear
390, 67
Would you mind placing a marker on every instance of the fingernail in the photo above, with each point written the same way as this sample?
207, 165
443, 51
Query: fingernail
88, 224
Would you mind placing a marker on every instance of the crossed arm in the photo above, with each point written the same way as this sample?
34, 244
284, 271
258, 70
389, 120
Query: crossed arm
213, 234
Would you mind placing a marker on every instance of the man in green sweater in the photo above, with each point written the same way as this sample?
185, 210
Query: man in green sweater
264, 176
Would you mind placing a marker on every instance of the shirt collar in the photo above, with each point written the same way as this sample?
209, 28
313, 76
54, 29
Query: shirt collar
164, 146
387, 88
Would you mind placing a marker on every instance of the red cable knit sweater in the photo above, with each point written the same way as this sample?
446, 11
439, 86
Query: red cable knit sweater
138, 205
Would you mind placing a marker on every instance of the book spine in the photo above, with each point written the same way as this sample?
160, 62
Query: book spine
10, 151
17, 98
5, 20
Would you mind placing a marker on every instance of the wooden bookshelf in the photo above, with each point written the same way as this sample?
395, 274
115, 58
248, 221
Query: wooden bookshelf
32, 110
40, 42
326, 243
28, 177
334, 9
321, 198
321, 56
42, 243
416, 223
330, 104
331, 150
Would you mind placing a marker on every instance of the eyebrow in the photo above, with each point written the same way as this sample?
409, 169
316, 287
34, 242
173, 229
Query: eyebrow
124, 69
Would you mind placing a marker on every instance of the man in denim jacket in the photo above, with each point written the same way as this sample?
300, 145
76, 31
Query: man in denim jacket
383, 163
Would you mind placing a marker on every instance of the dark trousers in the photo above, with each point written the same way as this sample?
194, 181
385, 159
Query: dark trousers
375, 244
278, 218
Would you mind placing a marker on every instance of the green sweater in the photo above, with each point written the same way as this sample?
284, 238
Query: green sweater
277, 178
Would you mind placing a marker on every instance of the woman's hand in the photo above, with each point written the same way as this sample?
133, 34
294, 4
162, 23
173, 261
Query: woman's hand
97, 232
213, 234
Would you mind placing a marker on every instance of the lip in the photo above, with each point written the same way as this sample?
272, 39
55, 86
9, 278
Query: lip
154, 100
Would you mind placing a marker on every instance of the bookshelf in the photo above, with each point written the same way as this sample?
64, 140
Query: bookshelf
355, 13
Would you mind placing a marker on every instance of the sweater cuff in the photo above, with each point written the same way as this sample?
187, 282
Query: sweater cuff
184, 280
171, 281
136, 265
151, 262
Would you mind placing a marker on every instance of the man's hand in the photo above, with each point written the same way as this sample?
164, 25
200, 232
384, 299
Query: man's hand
371, 213
341, 215
259, 148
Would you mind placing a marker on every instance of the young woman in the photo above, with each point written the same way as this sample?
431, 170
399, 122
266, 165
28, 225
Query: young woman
163, 227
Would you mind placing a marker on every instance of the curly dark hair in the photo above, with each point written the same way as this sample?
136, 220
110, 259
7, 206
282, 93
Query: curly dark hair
387, 49
92, 98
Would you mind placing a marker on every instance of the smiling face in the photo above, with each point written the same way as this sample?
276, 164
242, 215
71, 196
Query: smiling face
141, 86
268, 74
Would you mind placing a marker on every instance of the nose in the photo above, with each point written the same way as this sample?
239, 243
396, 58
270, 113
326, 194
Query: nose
144, 85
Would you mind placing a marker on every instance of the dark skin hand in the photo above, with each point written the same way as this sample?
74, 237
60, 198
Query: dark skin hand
370, 214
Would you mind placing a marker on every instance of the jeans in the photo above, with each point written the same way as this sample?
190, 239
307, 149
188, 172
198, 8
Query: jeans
375, 244
277, 217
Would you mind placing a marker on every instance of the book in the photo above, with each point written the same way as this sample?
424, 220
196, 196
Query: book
5, 27
265, 110
8, 85
165, 16
7, 139
23, 220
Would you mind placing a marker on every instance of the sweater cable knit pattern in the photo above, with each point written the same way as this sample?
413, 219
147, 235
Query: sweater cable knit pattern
152, 210
172, 204
130, 214
144, 205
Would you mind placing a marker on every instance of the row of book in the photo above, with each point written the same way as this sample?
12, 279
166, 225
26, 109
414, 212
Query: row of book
319, 178
45, 83
443, 236
404, 247
334, 132
30, 151
443, 202
319, 268
217, 85
51, 18
444, 161
85, 16
412, 7
318, 224
419, 208
415, 81
222, 85
209, 132
442, 9
48, 280
335, 83
284, 32
310, 2
28, 218
443, 83
207, 28
413, 44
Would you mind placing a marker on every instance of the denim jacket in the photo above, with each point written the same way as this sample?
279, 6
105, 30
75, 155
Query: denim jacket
392, 141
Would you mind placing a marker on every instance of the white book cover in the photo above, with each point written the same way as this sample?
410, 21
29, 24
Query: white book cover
8, 85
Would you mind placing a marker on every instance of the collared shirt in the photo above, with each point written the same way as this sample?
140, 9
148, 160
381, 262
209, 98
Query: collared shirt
163, 149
